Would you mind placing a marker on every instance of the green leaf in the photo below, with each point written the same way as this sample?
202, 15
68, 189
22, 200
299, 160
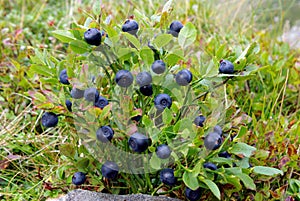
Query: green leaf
155, 162
82, 163
247, 181
213, 187
97, 7
41, 70
168, 7
147, 55
79, 46
243, 149
187, 35
67, 150
190, 180
132, 39
242, 132
269, 171
167, 116
63, 35
173, 57
162, 40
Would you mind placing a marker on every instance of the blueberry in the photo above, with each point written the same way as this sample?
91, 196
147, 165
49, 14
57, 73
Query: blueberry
91, 94
63, 77
183, 77
175, 28
199, 120
146, 90
138, 142
226, 67
101, 102
210, 166
69, 105
77, 93
167, 177
124, 78
218, 129
143, 78
78, 178
212, 141
92, 36
136, 118
105, 133
192, 195
158, 66
130, 26
109, 170
49, 119
163, 151
224, 154
162, 101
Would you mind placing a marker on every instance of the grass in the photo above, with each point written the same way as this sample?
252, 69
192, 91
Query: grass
31, 164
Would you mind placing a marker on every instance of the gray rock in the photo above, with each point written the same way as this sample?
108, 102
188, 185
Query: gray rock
83, 195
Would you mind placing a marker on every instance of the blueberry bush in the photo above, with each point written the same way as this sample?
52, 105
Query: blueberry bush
157, 105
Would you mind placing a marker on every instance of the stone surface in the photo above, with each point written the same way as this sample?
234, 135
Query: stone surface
83, 195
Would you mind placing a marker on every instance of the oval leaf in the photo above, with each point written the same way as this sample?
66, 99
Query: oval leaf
187, 35
190, 180
266, 170
162, 40
63, 35
79, 46
242, 149
213, 187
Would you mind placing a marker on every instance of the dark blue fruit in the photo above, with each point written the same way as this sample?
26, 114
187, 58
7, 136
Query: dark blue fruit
138, 142
69, 105
226, 67
158, 66
175, 28
183, 77
162, 101
77, 93
199, 120
210, 166
136, 118
130, 26
109, 170
78, 178
192, 195
63, 77
167, 177
105, 133
124, 78
218, 129
92, 36
224, 154
163, 151
143, 78
101, 102
49, 119
91, 94
146, 90
212, 141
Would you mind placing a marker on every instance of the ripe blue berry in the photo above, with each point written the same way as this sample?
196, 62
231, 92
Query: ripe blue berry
224, 154
124, 78
183, 77
138, 142
175, 28
146, 90
218, 129
136, 118
199, 120
101, 102
212, 141
69, 105
163, 151
143, 78
130, 26
91, 94
63, 77
77, 93
105, 133
210, 166
192, 195
226, 67
78, 178
162, 101
92, 36
167, 177
49, 119
109, 170
158, 66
